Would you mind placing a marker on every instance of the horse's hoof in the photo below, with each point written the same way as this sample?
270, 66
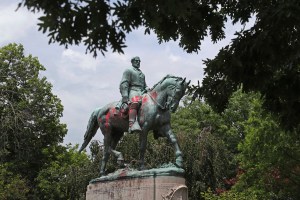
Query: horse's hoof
179, 163
121, 163
178, 154
141, 168
102, 174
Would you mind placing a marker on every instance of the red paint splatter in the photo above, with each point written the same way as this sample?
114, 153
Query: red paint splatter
154, 94
123, 173
113, 111
130, 111
145, 99
142, 117
107, 120
135, 99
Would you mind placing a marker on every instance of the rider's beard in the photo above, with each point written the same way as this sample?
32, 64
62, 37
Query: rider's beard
137, 66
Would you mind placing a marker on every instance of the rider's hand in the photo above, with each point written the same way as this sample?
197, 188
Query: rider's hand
125, 99
146, 90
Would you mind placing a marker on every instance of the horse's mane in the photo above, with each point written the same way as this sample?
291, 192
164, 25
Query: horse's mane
164, 78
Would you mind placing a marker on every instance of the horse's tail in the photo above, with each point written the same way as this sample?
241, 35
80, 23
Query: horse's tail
91, 129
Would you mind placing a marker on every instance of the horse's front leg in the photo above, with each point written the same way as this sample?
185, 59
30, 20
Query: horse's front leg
172, 138
143, 145
107, 140
117, 154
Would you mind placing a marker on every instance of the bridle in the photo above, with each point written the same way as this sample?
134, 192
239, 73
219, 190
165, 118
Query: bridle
154, 100
170, 98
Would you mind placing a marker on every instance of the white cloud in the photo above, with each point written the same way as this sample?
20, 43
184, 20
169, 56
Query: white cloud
15, 24
174, 58
75, 68
79, 60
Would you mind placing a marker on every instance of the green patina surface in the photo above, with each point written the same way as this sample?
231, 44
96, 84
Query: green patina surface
149, 110
164, 170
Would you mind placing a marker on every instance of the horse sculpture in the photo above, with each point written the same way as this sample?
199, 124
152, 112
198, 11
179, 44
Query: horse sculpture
154, 114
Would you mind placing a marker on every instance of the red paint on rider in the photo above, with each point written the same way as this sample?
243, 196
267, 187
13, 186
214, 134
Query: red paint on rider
135, 99
130, 111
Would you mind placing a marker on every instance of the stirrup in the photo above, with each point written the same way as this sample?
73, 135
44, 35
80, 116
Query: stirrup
135, 128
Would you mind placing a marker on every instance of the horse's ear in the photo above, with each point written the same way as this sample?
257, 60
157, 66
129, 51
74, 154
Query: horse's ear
183, 81
188, 83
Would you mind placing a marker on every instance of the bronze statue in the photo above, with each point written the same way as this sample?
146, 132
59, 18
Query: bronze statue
132, 87
154, 114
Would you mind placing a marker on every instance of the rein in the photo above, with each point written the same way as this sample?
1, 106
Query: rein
168, 101
159, 105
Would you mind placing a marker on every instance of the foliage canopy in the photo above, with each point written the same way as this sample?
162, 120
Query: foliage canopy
29, 112
263, 58
33, 164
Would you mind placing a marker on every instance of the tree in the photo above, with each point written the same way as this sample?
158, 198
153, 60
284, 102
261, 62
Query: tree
269, 156
240, 105
102, 23
12, 186
263, 58
265, 154
67, 176
29, 114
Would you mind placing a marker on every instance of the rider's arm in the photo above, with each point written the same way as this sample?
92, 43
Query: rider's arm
146, 88
124, 86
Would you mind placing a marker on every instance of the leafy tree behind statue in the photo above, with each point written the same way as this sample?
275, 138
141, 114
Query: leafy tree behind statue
265, 154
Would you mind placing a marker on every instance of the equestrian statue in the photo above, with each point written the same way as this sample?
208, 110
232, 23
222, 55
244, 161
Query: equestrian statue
140, 111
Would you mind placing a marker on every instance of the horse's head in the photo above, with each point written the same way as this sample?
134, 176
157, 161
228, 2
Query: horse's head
175, 90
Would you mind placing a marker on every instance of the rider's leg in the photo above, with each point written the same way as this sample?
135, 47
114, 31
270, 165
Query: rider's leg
132, 114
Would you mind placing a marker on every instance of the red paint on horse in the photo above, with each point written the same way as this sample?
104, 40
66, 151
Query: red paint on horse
154, 94
113, 111
145, 99
107, 120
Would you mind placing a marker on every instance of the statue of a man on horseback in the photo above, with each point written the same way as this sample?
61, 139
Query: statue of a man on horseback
149, 110
132, 87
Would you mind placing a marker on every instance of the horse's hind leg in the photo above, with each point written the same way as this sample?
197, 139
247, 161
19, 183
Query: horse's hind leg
110, 143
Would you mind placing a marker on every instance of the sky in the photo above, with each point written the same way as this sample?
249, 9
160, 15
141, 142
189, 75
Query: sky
84, 83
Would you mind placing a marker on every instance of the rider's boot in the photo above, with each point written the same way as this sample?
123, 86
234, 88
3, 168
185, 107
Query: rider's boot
133, 123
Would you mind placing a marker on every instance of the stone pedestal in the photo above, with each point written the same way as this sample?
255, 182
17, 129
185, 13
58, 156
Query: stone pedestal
154, 184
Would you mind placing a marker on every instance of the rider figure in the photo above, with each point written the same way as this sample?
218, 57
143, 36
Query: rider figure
132, 87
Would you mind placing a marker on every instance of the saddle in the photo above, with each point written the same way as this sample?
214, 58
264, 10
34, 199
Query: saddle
122, 109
